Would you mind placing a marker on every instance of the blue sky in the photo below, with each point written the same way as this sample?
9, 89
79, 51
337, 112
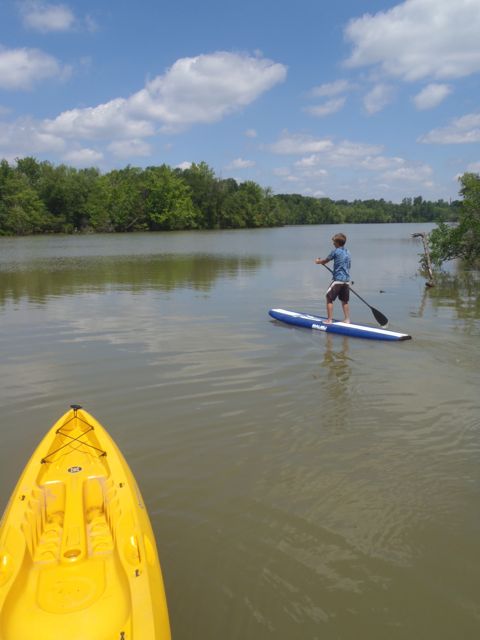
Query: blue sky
348, 99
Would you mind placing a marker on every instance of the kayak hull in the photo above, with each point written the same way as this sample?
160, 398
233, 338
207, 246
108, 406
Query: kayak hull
342, 328
78, 557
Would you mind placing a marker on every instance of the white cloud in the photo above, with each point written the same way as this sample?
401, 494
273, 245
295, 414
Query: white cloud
308, 161
345, 154
311, 173
184, 165
129, 148
194, 90
240, 163
420, 173
308, 167
411, 174
367, 160
381, 163
378, 98
44, 17
21, 69
465, 129
90, 24
327, 108
298, 144
83, 157
324, 151
109, 120
251, 133
330, 89
352, 154
419, 39
431, 96
24, 137
314, 193
206, 88
387, 176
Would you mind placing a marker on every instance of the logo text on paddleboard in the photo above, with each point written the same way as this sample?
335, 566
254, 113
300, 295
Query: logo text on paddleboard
75, 469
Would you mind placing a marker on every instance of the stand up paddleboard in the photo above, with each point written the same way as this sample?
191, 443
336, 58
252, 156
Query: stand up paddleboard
347, 329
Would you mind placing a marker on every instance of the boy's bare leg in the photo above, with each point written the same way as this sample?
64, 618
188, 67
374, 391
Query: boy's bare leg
329, 319
346, 312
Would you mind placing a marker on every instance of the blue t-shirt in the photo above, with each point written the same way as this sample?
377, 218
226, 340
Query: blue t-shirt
341, 264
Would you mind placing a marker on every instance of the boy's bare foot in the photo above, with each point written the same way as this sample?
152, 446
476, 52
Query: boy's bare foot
347, 321
327, 321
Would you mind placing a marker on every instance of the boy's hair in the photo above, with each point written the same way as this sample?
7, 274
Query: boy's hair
340, 239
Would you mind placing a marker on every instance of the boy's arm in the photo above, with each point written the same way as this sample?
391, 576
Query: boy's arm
324, 260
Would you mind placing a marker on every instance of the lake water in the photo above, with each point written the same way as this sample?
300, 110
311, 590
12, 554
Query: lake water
300, 485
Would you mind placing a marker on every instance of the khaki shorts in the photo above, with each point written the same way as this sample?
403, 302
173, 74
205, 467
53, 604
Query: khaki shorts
339, 290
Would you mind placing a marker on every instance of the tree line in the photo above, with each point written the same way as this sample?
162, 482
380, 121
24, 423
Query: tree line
38, 197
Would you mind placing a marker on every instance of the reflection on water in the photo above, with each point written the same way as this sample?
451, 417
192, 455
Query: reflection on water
336, 371
336, 357
300, 484
40, 279
461, 291
454, 292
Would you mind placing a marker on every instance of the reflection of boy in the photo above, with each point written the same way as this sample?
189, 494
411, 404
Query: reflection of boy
339, 286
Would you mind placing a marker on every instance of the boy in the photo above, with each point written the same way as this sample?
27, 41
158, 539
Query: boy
341, 277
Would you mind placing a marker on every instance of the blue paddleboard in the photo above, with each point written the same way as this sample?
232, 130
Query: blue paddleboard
346, 329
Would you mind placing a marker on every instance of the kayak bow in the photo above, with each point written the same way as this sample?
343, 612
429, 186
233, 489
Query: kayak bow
78, 558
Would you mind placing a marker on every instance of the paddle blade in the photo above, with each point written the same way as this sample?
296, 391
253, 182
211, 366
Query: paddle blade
380, 318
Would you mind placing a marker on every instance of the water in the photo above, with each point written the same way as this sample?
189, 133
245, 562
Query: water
301, 485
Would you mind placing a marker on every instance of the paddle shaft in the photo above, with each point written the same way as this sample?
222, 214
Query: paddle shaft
379, 317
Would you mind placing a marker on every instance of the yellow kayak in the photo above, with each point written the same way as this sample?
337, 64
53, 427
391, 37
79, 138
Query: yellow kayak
78, 558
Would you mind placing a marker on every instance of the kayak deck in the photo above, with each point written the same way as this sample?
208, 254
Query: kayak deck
347, 329
77, 553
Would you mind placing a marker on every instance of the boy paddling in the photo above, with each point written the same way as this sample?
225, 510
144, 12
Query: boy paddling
339, 286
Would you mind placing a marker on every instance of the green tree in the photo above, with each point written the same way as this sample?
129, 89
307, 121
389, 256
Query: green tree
463, 239
98, 205
127, 195
64, 191
247, 204
225, 194
31, 169
168, 204
204, 193
21, 210
274, 211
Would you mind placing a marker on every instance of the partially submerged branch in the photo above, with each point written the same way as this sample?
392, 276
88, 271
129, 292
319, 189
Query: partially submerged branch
426, 257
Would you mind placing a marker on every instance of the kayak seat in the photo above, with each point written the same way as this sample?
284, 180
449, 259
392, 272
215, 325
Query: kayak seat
71, 565
97, 493
57, 527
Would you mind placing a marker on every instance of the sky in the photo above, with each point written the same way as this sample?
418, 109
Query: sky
346, 100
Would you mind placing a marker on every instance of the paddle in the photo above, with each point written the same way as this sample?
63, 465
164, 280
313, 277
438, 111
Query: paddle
379, 317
